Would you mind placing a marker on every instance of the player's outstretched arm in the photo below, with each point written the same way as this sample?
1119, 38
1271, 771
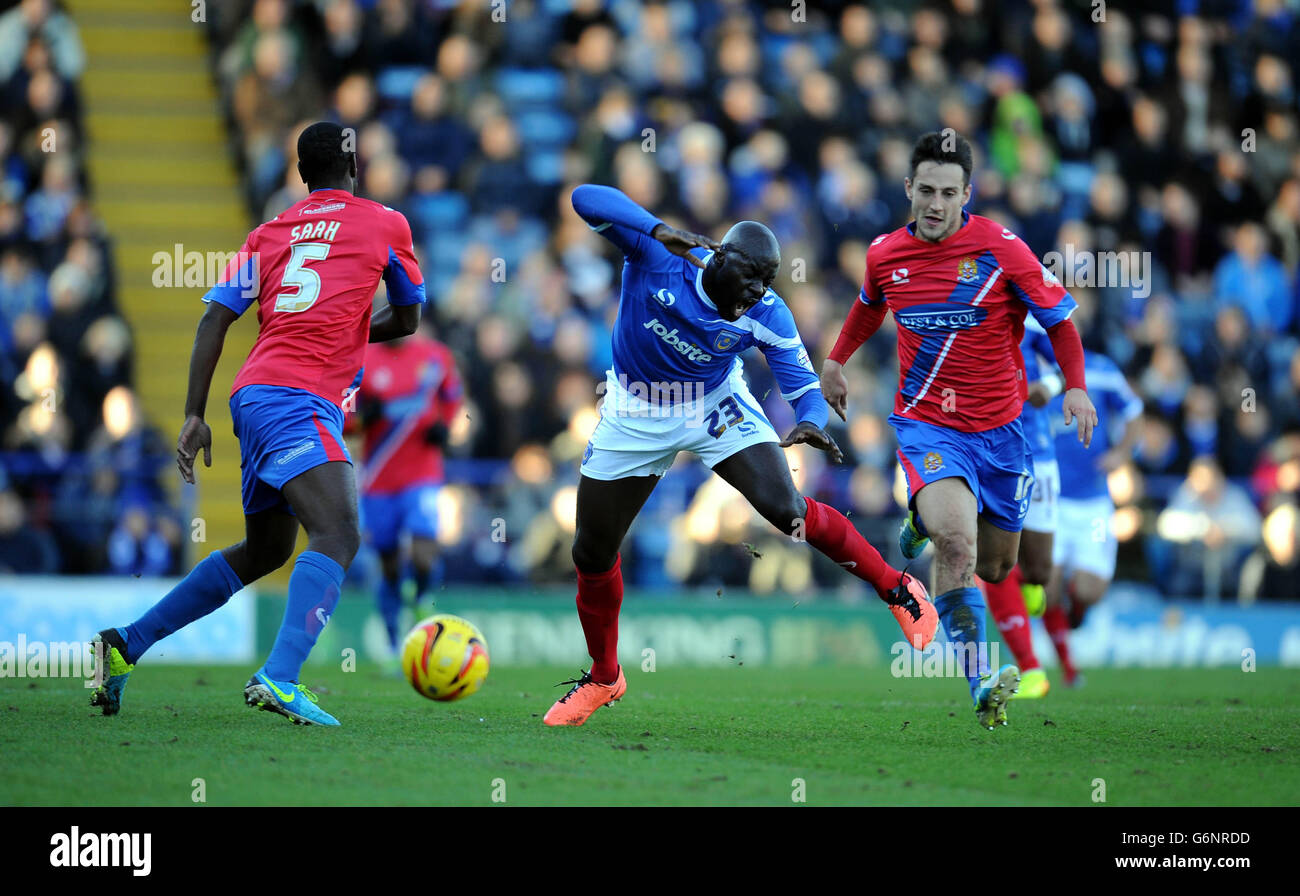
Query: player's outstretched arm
195, 433
394, 322
681, 242
627, 225
863, 321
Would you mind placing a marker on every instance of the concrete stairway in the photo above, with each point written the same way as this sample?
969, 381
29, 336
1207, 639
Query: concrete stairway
161, 176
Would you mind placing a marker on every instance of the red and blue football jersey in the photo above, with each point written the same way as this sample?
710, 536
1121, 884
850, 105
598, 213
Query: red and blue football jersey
416, 380
960, 308
313, 271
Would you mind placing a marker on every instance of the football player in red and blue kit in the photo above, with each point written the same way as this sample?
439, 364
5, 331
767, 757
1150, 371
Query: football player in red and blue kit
959, 286
313, 272
409, 398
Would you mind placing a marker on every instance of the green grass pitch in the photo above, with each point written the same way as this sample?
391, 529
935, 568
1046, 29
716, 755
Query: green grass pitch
723, 736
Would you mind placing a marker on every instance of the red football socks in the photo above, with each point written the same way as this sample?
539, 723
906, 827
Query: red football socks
1058, 626
830, 532
1008, 607
599, 598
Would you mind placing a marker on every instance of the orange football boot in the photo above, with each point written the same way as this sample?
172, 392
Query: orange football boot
916, 616
586, 697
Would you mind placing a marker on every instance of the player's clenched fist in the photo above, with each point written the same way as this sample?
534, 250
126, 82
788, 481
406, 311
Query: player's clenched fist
1078, 405
817, 437
681, 242
835, 388
195, 434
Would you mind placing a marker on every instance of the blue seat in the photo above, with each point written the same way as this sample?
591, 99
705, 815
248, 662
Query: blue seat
544, 127
439, 211
545, 166
519, 87
396, 84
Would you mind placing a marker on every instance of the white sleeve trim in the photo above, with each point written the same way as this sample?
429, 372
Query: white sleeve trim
768, 337
791, 396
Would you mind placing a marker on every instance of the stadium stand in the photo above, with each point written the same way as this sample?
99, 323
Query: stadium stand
82, 491
1173, 135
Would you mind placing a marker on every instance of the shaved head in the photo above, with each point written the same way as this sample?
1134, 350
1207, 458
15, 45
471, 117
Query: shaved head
756, 242
742, 269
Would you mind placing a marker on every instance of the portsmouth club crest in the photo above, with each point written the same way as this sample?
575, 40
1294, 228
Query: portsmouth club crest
725, 339
967, 270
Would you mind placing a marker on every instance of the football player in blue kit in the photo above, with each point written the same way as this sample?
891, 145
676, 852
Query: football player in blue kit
689, 307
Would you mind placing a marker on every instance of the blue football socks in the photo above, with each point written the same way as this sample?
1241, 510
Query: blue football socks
313, 595
962, 612
208, 586
390, 605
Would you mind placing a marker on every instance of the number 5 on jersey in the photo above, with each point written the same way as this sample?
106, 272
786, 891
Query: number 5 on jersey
306, 281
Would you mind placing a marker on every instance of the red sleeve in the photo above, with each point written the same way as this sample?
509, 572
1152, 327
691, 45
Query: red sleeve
1068, 349
865, 317
401, 272
863, 321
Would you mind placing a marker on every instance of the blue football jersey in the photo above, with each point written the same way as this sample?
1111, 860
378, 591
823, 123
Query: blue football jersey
669, 331
1117, 404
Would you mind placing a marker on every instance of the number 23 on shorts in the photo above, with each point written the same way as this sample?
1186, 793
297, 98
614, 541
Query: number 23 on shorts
729, 409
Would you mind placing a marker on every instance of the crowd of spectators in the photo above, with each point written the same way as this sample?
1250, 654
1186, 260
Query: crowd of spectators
1172, 133
1159, 135
78, 464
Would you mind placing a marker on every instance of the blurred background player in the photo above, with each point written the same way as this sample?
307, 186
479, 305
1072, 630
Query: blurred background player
1022, 594
959, 286
689, 306
313, 271
409, 397
1085, 548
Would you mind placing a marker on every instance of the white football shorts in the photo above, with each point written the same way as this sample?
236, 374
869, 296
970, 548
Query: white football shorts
643, 426
1085, 539
1043, 502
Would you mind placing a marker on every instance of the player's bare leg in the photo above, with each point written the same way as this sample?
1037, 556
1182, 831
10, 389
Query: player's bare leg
762, 474
324, 499
996, 551
950, 514
269, 538
605, 510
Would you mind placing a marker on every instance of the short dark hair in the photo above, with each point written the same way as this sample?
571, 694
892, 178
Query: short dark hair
321, 152
943, 147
